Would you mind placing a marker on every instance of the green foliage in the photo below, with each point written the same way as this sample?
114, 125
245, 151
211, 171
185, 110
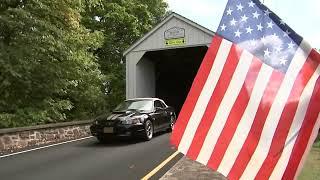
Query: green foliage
311, 168
60, 59
48, 70
122, 22
317, 142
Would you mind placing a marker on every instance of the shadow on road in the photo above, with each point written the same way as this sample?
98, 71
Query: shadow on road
118, 141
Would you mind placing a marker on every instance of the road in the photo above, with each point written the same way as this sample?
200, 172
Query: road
88, 159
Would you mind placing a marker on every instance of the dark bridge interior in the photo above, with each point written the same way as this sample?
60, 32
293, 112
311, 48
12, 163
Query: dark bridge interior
175, 70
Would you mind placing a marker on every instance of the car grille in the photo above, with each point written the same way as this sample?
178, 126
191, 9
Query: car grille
109, 123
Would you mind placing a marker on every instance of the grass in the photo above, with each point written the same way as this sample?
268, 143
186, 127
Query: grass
317, 144
311, 169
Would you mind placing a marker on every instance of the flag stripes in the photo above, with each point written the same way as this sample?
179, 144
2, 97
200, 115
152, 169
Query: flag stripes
291, 139
195, 91
235, 115
205, 95
312, 139
224, 109
243, 119
304, 134
247, 136
291, 113
214, 103
264, 142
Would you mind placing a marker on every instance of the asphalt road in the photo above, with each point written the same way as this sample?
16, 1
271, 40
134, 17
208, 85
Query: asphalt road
88, 159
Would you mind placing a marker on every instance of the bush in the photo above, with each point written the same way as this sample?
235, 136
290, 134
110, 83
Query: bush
317, 142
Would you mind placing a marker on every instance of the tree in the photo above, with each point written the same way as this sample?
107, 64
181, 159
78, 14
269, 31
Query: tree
60, 59
48, 72
122, 22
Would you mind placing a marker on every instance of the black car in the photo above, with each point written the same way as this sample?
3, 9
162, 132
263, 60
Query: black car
140, 117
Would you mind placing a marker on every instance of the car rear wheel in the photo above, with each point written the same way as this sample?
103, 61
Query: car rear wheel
148, 130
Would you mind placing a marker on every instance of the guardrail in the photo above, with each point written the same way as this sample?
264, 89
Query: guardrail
21, 138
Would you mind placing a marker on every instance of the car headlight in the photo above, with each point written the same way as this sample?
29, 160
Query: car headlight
95, 122
134, 120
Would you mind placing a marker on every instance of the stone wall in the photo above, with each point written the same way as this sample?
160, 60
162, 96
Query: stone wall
16, 139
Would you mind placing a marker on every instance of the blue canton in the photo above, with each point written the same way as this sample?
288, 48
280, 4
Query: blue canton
255, 28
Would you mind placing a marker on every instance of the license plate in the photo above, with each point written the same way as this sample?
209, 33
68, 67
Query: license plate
108, 130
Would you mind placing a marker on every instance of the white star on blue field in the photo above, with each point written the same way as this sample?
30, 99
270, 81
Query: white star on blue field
257, 29
302, 16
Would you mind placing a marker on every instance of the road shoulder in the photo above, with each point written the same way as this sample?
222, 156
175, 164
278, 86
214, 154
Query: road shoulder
187, 169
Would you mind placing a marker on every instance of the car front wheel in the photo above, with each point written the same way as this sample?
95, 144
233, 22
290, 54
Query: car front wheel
148, 130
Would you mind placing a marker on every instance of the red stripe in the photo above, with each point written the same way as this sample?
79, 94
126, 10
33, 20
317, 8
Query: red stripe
315, 55
253, 137
281, 133
235, 115
195, 91
304, 135
214, 103
306, 129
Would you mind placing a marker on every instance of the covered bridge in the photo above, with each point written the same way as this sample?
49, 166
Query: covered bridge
164, 62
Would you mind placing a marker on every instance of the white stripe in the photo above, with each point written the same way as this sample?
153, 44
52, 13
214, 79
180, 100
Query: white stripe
43, 147
274, 115
205, 95
312, 139
295, 127
225, 107
246, 121
110, 117
116, 116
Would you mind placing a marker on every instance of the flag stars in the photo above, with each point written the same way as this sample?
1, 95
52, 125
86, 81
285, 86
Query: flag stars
239, 7
267, 12
291, 45
233, 22
229, 11
278, 49
264, 40
267, 53
237, 33
282, 22
270, 24
251, 4
253, 42
256, 15
260, 27
283, 61
249, 30
287, 33
244, 18
258, 30
223, 27
275, 37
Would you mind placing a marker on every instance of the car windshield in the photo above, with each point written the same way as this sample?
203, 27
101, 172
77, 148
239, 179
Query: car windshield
140, 105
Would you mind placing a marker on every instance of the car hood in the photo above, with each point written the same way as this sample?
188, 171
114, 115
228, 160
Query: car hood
119, 115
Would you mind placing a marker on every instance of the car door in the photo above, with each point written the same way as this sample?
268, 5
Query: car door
159, 114
166, 115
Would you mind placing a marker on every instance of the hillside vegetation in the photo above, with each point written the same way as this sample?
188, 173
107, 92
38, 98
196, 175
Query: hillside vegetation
60, 59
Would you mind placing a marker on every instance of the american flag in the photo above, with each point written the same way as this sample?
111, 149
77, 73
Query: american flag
253, 109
